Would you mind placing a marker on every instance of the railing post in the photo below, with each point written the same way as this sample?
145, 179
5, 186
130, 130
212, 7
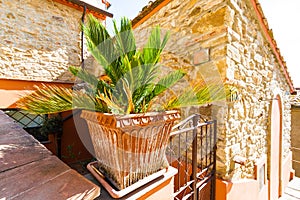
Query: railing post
194, 157
213, 187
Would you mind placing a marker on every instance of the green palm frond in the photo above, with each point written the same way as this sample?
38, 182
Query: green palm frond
132, 79
166, 82
45, 100
53, 99
153, 48
114, 108
85, 76
124, 39
102, 47
199, 95
150, 55
152, 91
93, 81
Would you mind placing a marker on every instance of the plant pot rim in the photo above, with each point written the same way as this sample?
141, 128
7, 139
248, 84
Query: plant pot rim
140, 119
146, 114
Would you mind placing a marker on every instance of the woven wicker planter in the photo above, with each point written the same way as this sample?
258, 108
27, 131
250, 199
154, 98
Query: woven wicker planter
130, 147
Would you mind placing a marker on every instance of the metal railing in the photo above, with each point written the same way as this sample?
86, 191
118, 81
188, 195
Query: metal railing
25, 119
192, 150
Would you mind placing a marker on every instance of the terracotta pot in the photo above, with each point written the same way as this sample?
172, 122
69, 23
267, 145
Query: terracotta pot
130, 147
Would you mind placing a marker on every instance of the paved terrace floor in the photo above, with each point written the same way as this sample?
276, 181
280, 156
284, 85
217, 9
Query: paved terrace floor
29, 171
292, 192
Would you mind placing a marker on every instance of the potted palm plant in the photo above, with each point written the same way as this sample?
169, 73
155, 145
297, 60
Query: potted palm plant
129, 133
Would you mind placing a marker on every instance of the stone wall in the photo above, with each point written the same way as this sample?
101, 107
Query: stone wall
221, 41
39, 40
198, 44
200, 51
255, 69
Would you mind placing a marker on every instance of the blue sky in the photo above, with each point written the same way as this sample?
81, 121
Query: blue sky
128, 8
282, 15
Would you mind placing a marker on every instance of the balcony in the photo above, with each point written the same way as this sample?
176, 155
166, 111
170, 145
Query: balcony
29, 171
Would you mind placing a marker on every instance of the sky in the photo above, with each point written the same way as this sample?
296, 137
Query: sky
282, 16
125, 8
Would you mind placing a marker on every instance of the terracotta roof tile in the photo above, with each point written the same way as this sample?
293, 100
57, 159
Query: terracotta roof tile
79, 4
146, 10
273, 43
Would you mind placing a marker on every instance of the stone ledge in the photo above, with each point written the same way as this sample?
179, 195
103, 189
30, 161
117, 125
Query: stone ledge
29, 171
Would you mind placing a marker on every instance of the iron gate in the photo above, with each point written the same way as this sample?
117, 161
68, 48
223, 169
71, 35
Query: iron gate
192, 150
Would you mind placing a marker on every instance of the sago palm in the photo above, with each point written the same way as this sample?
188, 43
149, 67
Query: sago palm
131, 80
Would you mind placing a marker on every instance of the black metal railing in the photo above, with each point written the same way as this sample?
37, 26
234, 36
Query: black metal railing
25, 119
192, 150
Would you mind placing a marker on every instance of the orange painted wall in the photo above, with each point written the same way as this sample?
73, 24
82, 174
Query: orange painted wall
247, 189
12, 90
286, 171
72, 148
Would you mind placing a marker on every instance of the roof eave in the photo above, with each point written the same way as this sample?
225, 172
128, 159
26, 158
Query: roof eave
266, 31
81, 4
147, 12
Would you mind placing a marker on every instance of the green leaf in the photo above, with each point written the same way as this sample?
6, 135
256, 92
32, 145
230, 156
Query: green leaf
165, 83
84, 75
53, 99
199, 95
131, 78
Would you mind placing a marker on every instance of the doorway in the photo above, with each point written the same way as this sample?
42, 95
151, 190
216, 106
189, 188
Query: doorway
275, 149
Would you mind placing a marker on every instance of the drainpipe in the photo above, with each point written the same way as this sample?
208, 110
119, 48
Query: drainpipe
82, 21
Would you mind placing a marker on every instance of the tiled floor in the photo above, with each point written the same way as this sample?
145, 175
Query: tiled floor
29, 171
292, 192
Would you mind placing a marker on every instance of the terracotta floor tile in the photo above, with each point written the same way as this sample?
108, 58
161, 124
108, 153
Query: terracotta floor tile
29, 171
14, 155
12, 138
29, 176
69, 185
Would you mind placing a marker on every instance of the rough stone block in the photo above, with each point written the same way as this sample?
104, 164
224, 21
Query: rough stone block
230, 73
234, 53
201, 56
30, 39
209, 21
218, 52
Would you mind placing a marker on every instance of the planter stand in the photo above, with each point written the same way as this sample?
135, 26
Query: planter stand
159, 185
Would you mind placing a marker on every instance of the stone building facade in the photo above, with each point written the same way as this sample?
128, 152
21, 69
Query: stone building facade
229, 42
39, 40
